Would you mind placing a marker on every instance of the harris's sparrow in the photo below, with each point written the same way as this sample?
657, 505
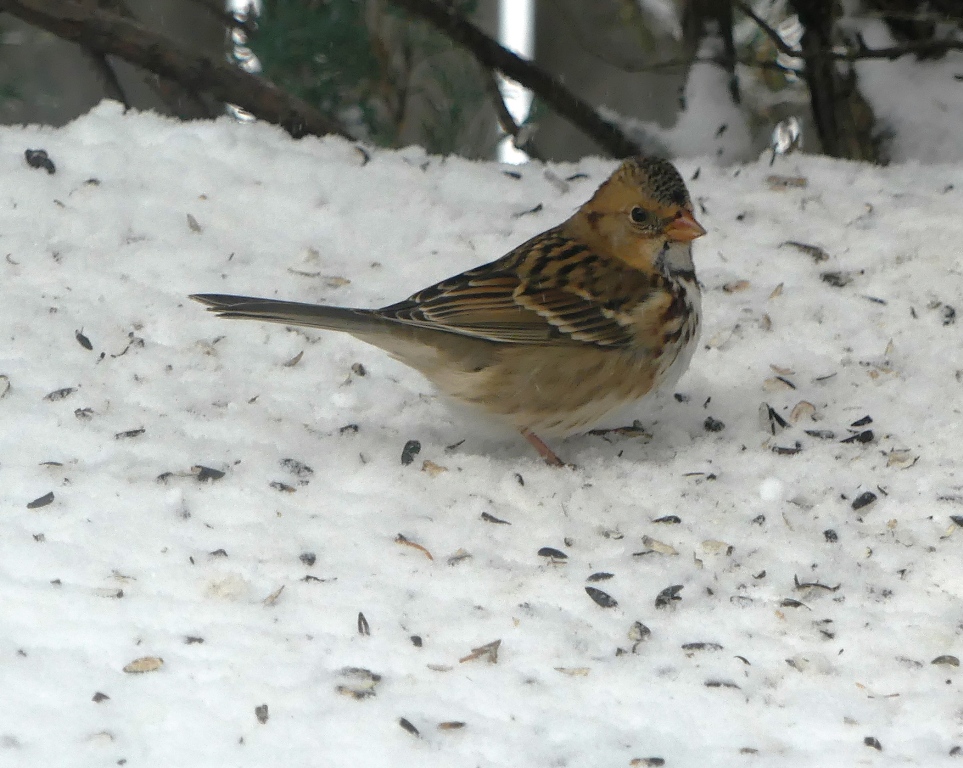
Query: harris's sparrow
568, 327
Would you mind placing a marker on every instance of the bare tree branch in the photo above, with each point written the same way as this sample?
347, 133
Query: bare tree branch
229, 20
505, 118
111, 82
781, 45
858, 53
491, 55
108, 33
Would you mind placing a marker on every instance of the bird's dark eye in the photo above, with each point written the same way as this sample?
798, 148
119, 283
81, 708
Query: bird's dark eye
640, 216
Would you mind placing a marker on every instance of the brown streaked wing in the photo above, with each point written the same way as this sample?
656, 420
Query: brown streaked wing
579, 317
479, 303
501, 307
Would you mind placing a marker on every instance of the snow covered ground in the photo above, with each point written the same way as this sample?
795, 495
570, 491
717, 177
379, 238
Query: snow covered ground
787, 599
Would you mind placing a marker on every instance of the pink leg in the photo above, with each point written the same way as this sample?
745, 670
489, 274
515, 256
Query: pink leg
551, 458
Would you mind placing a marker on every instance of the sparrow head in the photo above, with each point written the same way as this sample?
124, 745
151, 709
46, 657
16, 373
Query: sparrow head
639, 211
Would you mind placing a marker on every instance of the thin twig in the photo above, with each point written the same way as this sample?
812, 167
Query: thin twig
228, 19
112, 87
108, 33
861, 52
850, 54
550, 90
771, 33
505, 118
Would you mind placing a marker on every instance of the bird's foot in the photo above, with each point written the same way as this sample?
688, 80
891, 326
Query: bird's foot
551, 458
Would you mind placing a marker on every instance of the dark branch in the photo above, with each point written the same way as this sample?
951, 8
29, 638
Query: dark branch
111, 82
229, 20
491, 55
923, 47
505, 118
771, 33
108, 33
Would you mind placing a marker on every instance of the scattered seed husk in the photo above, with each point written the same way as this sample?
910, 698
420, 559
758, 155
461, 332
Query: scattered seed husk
654, 545
818, 254
668, 519
308, 558
901, 458
432, 469
458, 556
802, 410
600, 576
787, 450
404, 723
127, 434
400, 539
950, 661
813, 585
639, 632
59, 394
193, 224
297, 468
412, 448
776, 292
38, 158
83, 340
770, 420
714, 547
552, 553
273, 597
866, 436
363, 627
492, 519
294, 360
359, 683
736, 286
206, 474
451, 725
603, 599
836, 279
778, 183
529, 212
261, 713
99, 697
668, 595
574, 671
777, 384
822, 434
488, 651
701, 646
872, 741
42, 501
865, 499
144, 664
713, 425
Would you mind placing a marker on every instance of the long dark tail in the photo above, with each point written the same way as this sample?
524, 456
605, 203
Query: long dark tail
355, 321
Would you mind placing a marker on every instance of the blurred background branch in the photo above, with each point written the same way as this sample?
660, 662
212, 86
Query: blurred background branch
663, 76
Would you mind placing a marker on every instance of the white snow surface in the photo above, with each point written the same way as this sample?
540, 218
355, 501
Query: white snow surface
135, 557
